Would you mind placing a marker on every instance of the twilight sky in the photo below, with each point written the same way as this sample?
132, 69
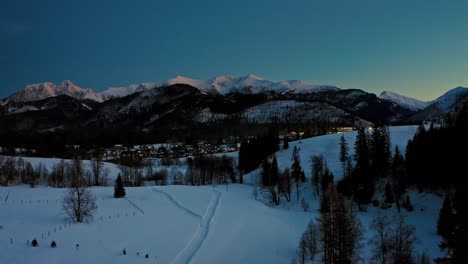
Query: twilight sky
417, 48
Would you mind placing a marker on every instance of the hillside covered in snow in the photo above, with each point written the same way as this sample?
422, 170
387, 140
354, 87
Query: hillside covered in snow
232, 223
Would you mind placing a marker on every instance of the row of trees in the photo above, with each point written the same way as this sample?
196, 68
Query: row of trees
202, 170
63, 174
336, 235
371, 169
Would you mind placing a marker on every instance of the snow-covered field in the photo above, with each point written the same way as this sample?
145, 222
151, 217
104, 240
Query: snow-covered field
177, 224
185, 224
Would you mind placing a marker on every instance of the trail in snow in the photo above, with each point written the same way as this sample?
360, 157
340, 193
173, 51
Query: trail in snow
177, 204
186, 255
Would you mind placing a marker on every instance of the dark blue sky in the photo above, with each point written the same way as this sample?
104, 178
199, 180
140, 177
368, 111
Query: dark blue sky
416, 48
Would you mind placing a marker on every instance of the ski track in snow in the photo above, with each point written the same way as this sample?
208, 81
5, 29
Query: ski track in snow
177, 204
186, 255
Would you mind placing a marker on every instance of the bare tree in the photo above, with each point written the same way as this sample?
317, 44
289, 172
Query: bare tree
402, 241
284, 184
58, 175
394, 240
29, 175
97, 168
317, 172
309, 243
75, 172
79, 203
148, 168
381, 239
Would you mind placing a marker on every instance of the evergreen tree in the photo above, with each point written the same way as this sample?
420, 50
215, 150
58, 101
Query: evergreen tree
361, 151
344, 156
119, 189
445, 225
460, 252
285, 143
265, 174
380, 156
363, 182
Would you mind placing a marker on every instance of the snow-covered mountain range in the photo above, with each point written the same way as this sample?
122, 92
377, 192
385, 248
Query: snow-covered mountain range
410, 103
226, 84
248, 84
40, 91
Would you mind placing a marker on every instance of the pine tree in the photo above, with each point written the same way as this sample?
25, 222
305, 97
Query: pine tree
445, 224
119, 189
344, 156
266, 176
362, 180
361, 150
460, 252
285, 143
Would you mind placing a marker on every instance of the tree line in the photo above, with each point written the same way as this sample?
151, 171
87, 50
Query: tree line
62, 174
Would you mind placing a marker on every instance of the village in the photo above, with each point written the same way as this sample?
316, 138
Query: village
166, 150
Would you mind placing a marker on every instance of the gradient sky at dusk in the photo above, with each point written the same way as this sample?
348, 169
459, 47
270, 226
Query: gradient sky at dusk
416, 48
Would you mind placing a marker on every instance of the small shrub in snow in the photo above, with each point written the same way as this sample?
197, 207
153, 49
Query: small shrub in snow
146, 256
34, 243
53, 244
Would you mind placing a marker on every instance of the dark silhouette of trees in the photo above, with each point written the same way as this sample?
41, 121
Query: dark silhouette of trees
339, 228
255, 150
119, 189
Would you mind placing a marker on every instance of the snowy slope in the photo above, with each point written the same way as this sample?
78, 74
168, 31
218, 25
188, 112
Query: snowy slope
286, 111
328, 146
39, 91
115, 92
449, 99
410, 103
444, 104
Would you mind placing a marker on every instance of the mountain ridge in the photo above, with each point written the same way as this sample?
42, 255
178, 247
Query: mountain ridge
408, 102
223, 85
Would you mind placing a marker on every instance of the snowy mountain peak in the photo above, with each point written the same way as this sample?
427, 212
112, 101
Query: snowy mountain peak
449, 99
224, 84
404, 101
40, 91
